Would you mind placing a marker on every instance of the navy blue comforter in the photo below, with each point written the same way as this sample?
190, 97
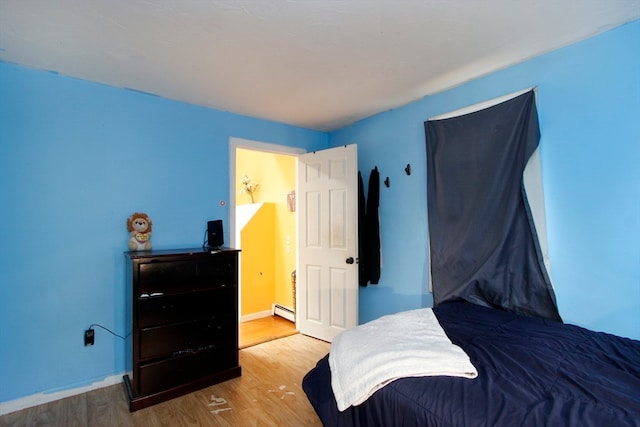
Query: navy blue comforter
532, 372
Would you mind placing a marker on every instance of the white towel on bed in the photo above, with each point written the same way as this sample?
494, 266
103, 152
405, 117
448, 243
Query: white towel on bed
407, 344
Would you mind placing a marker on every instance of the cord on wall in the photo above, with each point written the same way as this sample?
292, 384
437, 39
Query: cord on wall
108, 330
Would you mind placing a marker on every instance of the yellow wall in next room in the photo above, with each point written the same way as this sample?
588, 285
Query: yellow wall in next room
257, 266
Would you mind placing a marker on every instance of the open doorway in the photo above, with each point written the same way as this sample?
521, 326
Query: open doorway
263, 226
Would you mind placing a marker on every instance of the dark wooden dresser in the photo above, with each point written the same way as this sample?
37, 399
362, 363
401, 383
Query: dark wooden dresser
183, 311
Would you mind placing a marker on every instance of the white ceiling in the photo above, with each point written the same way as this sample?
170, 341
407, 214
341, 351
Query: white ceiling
319, 64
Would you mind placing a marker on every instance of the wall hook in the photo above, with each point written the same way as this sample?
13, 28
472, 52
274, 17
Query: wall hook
386, 182
408, 169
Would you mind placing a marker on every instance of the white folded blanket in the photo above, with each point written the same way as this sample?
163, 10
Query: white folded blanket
407, 344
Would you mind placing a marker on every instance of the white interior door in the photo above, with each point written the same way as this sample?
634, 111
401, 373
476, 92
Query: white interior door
327, 276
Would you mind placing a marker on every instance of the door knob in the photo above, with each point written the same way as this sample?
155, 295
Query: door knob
350, 260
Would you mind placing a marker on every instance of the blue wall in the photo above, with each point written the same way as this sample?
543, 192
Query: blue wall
589, 110
76, 158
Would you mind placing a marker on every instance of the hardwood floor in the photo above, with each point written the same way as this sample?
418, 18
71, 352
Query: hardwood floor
263, 330
269, 393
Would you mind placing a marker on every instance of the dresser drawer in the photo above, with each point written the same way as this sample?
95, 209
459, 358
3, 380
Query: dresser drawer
174, 308
189, 274
158, 376
188, 336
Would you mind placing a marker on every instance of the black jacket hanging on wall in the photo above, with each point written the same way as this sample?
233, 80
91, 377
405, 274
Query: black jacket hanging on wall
363, 276
369, 230
373, 228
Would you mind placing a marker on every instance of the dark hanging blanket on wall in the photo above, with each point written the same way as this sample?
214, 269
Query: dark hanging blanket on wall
484, 248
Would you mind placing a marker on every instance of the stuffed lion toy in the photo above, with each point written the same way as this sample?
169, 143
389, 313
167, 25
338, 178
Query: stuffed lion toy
139, 227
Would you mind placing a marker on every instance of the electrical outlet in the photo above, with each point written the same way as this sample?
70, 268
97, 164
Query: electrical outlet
89, 336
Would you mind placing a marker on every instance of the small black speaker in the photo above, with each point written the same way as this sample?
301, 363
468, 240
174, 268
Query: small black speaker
215, 235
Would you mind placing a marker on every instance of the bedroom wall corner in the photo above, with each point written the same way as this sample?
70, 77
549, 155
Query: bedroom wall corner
76, 159
588, 104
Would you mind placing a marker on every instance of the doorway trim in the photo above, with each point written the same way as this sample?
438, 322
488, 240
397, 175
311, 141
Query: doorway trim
249, 144
234, 144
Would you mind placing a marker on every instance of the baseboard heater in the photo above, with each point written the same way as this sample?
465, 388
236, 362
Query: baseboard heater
282, 311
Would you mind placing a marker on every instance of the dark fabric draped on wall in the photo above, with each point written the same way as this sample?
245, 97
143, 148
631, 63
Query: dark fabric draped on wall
484, 248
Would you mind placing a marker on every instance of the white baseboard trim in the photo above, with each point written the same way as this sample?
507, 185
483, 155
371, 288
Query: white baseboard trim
255, 316
283, 311
41, 398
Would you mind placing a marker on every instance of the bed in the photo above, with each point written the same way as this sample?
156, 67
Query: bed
531, 372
